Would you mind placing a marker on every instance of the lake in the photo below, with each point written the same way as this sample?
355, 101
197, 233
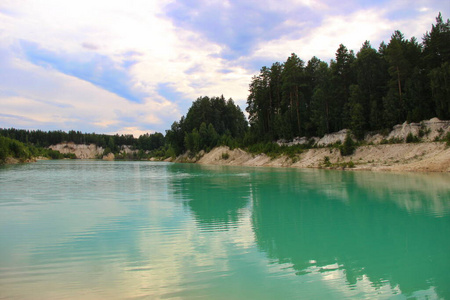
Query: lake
76, 229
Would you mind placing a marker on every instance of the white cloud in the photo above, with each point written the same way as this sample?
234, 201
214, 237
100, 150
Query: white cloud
375, 24
162, 54
324, 40
37, 97
182, 60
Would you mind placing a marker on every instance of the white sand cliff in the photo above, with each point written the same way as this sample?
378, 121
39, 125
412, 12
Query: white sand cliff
423, 157
426, 156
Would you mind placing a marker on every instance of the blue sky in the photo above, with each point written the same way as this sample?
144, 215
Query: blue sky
136, 66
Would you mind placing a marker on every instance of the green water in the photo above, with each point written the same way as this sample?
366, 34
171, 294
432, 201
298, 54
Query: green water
143, 230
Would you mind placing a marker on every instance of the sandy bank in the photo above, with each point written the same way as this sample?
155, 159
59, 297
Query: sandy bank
420, 157
427, 156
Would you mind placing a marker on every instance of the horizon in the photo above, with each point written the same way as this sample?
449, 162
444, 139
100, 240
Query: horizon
109, 68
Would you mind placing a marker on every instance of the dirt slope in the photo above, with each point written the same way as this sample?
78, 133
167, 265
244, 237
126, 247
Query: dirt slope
422, 157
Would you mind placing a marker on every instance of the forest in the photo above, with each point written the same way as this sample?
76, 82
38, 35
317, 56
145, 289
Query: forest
403, 80
372, 90
36, 142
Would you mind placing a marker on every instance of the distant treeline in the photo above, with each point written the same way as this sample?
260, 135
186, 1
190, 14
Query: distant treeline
39, 138
403, 80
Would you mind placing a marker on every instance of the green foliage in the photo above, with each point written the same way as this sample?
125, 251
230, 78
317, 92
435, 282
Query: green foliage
4, 148
424, 131
107, 151
13, 148
18, 150
348, 147
223, 114
391, 141
411, 138
356, 112
41, 138
203, 139
447, 139
403, 80
225, 155
208, 123
171, 152
326, 162
192, 141
149, 142
440, 89
274, 150
36, 140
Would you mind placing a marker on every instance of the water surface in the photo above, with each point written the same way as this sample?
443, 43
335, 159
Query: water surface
95, 230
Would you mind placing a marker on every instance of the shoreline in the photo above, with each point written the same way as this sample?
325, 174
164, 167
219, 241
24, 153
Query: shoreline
418, 157
424, 157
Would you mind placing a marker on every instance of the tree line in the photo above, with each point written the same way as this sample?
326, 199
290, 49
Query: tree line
25, 144
403, 80
39, 138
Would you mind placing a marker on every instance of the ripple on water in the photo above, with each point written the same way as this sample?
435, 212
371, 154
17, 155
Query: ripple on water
94, 229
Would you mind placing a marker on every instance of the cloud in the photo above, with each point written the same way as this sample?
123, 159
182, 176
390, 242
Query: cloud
72, 103
153, 56
237, 26
95, 68
349, 24
90, 46
323, 40
118, 58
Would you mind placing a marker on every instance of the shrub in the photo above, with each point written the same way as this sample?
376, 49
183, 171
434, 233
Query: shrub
391, 141
53, 154
225, 155
410, 138
349, 146
447, 139
326, 161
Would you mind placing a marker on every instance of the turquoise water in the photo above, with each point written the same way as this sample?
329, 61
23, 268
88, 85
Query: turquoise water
144, 230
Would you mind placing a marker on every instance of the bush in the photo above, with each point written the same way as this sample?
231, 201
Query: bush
225, 155
13, 148
349, 146
392, 141
326, 161
447, 139
410, 138
53, 154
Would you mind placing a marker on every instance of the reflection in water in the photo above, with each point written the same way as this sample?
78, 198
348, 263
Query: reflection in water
415, 193
330, 219
94, 229
216, 198
375, 229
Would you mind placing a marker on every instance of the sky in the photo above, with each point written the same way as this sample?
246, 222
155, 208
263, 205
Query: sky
135, 67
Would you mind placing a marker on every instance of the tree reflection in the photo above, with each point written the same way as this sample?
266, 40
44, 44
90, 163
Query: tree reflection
326, 218
215, 197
